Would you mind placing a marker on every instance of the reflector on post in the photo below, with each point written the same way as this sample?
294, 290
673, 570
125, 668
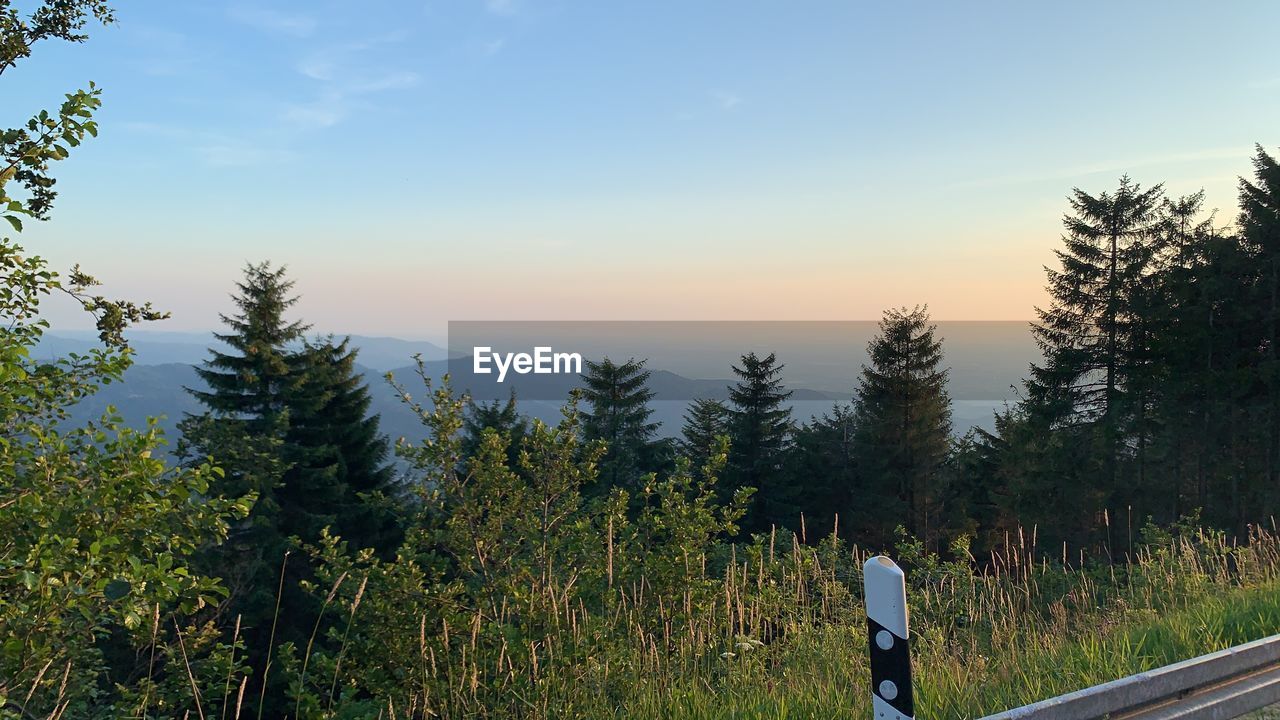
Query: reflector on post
887, 636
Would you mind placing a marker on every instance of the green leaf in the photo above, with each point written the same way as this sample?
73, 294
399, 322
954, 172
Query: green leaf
15, 222
116, 589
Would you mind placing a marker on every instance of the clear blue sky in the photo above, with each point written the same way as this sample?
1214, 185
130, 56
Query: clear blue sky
415, 162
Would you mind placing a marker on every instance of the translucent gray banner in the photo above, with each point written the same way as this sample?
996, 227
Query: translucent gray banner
542, 361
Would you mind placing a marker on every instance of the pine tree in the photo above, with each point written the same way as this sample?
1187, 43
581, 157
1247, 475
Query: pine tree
976, 498
822, 467
760, 425
503, 417
252, 382
289, 420
704, 421
1094, 388
250, 457
617, 412
903, 426
244, 430
1259, 224
1091, 351
1196, 308
340, 457
1228, 430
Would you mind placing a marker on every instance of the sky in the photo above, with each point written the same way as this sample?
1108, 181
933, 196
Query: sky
419, 162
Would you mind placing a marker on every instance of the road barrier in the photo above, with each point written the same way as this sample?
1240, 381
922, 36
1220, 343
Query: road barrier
1218, 686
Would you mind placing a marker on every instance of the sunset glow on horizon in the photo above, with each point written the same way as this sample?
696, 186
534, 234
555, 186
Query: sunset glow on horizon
530, 159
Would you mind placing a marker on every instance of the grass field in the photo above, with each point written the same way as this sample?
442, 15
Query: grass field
777, 630
996, 641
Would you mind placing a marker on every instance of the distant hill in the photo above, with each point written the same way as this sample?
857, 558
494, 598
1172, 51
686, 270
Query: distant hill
986, 361
161, 348
157, 391
146, 391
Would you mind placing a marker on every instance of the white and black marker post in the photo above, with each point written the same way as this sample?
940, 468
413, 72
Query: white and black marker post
887, 634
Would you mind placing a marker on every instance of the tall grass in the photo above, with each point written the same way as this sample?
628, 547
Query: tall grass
1023, 630
776, 629
773, 628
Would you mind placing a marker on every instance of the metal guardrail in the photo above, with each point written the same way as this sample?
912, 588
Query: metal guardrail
1218, 686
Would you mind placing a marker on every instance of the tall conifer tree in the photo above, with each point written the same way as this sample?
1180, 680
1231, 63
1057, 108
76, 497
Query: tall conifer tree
253, 381
288, 420
244, 430
822, 466
760, 426
1087, 332
1197, 306
1259, 224
617, 411
1090, 395
903, 425
704, 422
340, 456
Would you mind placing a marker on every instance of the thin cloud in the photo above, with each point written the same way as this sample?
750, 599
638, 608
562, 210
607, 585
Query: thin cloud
214, 149
726, 99
1112, 168
326, 111
493, 47
398, 80
343, 77
316, 67
339, 99
505, 8
273, 21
